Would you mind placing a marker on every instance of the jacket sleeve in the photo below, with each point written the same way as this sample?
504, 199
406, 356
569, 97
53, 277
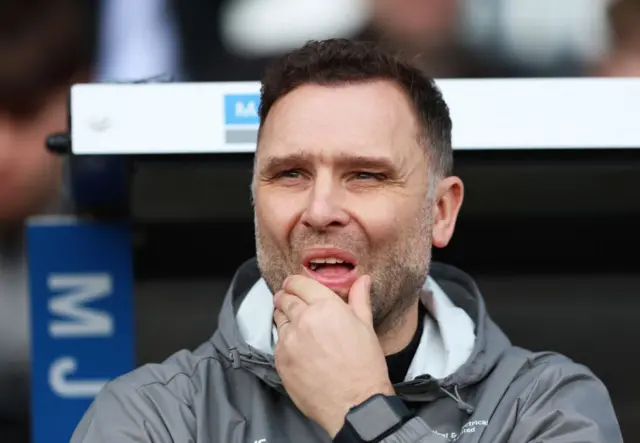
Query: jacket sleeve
120, 414
566, 403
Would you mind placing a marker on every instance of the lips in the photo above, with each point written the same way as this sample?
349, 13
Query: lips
332, 267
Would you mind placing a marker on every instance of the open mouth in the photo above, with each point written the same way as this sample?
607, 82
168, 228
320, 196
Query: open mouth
330, 266
334, 268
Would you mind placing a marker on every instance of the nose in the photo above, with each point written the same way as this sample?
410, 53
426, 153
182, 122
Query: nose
325, 207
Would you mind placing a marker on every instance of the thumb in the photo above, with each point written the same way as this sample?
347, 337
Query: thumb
360, 299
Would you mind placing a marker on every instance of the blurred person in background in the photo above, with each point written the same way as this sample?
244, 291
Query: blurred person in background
252, 32
233, 40
45, 46
427, 28
623, 59
490, 38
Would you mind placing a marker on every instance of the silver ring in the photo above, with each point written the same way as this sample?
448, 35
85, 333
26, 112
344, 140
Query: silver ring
284, 323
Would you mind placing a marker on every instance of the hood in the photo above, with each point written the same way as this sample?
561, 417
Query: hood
459, 347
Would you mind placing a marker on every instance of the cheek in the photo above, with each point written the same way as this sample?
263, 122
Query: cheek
386, 220
276, 215
379, 219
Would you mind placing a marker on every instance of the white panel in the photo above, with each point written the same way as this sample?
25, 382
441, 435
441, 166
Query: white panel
487, 114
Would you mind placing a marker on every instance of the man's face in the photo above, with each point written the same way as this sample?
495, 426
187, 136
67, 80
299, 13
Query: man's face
340, 174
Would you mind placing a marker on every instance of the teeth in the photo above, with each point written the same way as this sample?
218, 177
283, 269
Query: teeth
330, 260
316, 262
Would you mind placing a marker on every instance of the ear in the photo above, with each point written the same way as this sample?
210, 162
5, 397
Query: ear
449, 196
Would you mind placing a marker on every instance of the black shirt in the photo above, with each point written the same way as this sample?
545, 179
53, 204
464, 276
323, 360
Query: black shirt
398, 363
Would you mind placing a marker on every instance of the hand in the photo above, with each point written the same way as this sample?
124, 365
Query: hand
328, 355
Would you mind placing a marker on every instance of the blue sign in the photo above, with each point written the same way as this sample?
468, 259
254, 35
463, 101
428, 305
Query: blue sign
241, 109
80, 277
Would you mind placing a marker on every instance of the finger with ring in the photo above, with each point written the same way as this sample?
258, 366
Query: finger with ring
279, 318
290, 305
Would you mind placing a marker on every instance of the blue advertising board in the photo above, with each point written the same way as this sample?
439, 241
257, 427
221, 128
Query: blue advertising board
241, 109
241, 119
81, 297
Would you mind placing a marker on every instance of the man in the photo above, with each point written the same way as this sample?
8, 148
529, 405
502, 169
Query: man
342, 330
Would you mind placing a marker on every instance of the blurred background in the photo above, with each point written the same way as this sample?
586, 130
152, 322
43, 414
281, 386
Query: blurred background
549, 236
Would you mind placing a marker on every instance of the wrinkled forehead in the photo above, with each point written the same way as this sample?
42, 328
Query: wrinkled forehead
332, 124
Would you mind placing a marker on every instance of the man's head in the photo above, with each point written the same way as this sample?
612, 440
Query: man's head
353, 163
45, 46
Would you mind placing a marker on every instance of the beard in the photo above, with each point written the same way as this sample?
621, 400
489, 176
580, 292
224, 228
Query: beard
398, 265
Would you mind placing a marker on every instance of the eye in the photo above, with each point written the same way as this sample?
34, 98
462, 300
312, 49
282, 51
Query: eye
363, 175
290, 173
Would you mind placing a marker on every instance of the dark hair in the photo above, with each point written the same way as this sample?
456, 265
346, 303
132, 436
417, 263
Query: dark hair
337, 61
623, 18
44, 46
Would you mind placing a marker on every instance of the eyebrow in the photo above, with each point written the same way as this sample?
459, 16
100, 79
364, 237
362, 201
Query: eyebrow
274, 164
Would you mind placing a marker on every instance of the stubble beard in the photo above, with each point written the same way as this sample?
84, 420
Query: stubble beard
398, 268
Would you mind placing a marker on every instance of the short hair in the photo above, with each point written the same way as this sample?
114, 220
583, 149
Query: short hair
343, 61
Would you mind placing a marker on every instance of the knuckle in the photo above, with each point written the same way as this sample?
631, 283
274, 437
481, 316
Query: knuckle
293, 305
312, 317
291, 281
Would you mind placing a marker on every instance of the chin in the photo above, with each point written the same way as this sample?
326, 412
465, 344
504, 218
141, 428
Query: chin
343, 294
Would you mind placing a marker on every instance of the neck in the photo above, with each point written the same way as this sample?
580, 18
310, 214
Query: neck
399, 335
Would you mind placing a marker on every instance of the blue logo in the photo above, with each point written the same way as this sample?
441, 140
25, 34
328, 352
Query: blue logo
80, 276
241, 109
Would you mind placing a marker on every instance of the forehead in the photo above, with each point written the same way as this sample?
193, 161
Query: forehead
374, 118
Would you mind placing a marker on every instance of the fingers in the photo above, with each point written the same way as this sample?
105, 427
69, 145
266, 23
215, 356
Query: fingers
280, 319
307, 289
360, 299
290, 305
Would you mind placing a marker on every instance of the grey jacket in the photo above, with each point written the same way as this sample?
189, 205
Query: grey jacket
229, 392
